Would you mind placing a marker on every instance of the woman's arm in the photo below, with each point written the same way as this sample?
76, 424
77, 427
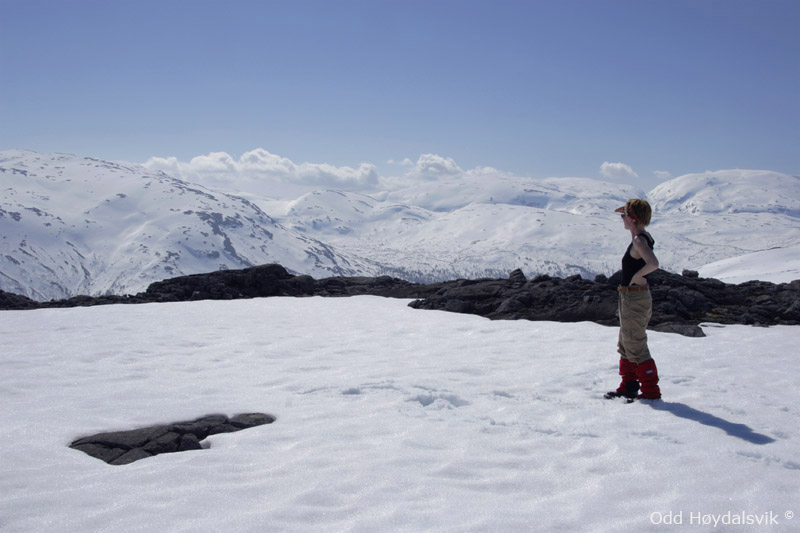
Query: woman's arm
651, 261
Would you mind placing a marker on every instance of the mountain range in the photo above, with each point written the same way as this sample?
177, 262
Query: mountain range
74, 225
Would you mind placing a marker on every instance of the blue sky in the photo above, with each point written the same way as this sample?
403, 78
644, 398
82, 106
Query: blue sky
535, 88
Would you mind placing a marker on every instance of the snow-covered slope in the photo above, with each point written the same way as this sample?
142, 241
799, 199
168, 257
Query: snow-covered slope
77, 225
81, 226
778, 266
394, 419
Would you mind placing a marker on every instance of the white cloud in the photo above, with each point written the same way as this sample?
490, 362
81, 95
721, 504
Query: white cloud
432, 166
662, 175
427, 168
617, 171
262, 173
487, 173
256, 170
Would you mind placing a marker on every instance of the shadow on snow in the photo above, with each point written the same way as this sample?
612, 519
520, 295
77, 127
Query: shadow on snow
690, 413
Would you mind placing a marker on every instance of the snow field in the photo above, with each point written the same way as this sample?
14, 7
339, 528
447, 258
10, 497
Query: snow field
388, 418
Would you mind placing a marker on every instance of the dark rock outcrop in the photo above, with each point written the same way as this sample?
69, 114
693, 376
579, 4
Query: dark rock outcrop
253, 282
680, 302
10, 300
124, 447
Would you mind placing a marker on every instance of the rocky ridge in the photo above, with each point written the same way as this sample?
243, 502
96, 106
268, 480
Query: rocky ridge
680, 302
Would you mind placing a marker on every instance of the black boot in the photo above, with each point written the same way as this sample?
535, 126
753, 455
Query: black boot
630, 391
629, 387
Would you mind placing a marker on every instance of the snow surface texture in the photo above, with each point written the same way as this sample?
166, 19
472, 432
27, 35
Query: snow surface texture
71, 225
390, 419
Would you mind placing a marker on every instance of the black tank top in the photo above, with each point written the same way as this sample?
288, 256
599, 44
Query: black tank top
631, 266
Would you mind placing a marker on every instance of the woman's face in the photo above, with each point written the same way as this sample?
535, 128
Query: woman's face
628, 221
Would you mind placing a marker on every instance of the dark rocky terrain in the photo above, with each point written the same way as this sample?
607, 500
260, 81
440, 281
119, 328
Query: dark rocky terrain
680, 302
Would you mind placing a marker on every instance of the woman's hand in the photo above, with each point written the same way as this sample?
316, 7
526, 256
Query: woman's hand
638, 279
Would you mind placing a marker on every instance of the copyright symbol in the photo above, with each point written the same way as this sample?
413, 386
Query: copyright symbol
789, 515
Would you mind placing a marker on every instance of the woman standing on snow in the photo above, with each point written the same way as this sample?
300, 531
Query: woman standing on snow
636, 366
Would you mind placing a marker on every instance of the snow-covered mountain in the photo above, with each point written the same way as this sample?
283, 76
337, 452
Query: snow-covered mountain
75, 225
730, 192
472, 225
82, 226
479, 225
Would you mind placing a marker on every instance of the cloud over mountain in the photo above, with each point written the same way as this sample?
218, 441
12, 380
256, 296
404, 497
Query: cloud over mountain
432, 166
617, 171
259, 169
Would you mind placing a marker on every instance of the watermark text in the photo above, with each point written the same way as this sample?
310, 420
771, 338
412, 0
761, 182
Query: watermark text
730, 518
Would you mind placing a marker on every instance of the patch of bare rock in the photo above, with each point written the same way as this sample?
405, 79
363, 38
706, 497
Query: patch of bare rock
125, 447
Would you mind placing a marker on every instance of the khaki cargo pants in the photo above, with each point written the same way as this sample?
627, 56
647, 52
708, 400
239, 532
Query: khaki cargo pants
635, 310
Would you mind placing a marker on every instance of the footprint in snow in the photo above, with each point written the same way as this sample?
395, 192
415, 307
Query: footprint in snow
440, 401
